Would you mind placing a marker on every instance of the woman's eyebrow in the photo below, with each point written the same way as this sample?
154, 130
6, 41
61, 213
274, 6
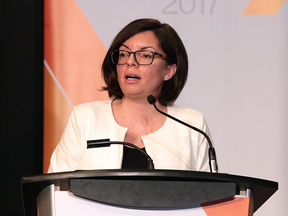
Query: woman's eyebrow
142, 48
147, 47
124, 46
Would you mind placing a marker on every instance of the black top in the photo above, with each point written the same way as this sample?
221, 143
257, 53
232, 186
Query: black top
133, 159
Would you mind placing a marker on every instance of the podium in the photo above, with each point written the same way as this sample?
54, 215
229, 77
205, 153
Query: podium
136, 192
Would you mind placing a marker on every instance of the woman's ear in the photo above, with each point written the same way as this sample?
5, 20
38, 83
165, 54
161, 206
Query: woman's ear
171, 70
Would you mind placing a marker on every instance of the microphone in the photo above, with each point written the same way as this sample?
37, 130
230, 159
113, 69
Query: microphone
107, 143
212, 155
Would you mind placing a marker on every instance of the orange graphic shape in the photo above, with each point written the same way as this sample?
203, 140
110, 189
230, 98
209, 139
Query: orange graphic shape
237, 206
263, 7
56, 113
73, 51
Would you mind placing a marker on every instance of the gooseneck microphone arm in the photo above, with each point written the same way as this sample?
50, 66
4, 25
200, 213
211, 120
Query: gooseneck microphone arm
107, 143
212, 155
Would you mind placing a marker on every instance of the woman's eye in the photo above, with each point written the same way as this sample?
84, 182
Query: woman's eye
146, 55
122, 54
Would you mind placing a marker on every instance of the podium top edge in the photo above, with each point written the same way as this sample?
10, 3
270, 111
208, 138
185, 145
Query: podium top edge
144, 173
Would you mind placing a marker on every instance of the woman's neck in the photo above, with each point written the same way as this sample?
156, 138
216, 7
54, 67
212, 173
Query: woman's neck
139, 105
139, 117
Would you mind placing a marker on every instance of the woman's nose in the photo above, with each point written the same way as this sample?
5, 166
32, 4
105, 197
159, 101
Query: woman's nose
131, 60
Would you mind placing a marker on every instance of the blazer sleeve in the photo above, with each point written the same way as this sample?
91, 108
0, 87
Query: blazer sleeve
67, 154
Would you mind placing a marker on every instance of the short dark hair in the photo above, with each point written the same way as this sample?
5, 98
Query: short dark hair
170, 43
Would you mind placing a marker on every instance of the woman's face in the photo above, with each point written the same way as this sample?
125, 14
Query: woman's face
139, 81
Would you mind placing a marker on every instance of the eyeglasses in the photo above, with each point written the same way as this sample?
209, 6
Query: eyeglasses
142, 57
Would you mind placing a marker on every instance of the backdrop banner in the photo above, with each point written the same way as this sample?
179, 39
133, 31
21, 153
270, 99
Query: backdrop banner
238, 53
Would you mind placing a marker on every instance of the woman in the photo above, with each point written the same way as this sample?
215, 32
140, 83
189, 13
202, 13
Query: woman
145, 58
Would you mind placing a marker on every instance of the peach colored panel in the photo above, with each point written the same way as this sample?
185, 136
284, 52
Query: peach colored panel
73, 51
56, 113
238, 206
263, 7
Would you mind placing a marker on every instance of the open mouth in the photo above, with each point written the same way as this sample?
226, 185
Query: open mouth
132, 77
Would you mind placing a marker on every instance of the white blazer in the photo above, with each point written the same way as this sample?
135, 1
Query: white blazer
173, 146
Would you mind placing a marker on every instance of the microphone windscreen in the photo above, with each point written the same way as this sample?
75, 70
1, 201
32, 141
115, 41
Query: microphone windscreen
151, 99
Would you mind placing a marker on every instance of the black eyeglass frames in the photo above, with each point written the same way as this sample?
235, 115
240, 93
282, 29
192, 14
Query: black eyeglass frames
142, 57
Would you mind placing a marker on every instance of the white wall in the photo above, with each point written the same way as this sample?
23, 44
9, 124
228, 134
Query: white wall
238, 78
